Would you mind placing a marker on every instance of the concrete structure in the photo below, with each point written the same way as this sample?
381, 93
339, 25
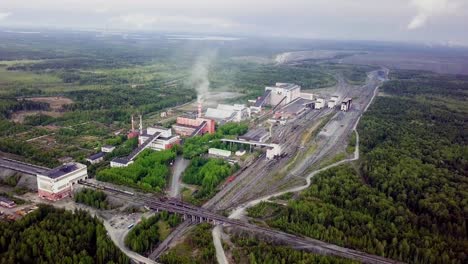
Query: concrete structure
273, 151
280, 94
5, 202
22, 167
319, 103
57, 183
165, 140
107, 149
259, 135
346, 104
96, 158
281, 90
120, 162
331, 104
228, 113
219, 152
188, 126
307, 96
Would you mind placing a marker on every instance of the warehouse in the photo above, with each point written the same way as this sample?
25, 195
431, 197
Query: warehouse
107, 149
120, 162
219, 152
165, 139
319, 103
228, 113
57, 183
96, 158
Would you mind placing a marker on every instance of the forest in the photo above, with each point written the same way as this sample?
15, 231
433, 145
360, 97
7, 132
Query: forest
149, 232
149, 172
50, 235
407, 197
197, 248
253, 250
207, 173
93, 198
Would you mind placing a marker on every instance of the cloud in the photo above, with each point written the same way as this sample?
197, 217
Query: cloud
429, 8
143, 21
4, 15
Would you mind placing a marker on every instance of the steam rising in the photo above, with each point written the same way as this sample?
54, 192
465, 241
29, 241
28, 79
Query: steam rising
199, 78
429, 8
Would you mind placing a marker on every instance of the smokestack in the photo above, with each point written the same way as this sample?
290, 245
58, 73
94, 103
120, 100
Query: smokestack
141, 124
133, 125
199, 109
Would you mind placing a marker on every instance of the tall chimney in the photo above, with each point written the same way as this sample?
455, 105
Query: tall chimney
133, 125
141, 124
199, 109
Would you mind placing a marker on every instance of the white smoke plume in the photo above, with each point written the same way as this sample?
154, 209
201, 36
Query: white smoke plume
429, 8
4, 15
199, 77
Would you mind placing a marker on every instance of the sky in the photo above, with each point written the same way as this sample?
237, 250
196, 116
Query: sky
427, 21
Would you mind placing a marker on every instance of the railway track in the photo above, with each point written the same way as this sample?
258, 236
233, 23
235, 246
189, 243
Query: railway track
187, 210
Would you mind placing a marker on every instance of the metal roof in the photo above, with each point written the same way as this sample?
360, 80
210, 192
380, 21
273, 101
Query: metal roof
62, 170
97, 156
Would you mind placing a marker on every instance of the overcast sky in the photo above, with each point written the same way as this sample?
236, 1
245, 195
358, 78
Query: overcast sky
435, 21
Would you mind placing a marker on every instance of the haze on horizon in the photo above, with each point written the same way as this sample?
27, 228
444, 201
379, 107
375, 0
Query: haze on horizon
427, 21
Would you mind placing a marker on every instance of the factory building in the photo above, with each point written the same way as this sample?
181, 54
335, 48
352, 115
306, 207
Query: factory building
228, 113
319, 103
279, 95
346, 104
57, 183
273, 151
333, 101
165, 140
96, 158
219, 152
188, 126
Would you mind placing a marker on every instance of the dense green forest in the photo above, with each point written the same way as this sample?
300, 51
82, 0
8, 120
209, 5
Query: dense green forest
407, 197
207, 173
197, 248
251, 250
50, 235
195, 146
148, 232
149, 172
94, 198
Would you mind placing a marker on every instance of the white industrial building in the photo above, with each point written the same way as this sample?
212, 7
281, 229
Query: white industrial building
165, 140
219, 152
120, 162
274, 150
57, 183
319, 103
228, 113
283, 93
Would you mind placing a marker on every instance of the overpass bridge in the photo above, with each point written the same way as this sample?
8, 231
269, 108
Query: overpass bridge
22, 167
197, 214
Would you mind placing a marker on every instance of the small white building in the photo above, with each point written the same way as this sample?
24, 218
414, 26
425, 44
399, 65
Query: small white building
120, 162
331, 104
274, 150
107, 148
319, 103
96, 158
57, 183
307, 96
219, 152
